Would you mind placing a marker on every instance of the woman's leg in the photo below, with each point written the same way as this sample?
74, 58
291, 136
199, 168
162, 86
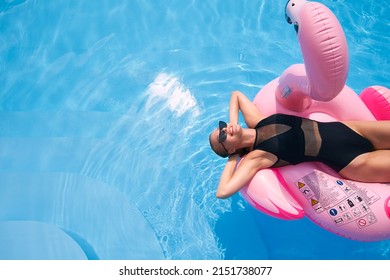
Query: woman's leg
377, 132
369, 167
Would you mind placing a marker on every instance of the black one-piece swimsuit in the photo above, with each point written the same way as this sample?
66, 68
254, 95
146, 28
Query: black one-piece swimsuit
295, 139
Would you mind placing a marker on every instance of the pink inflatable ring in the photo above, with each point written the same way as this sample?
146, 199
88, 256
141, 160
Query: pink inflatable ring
317, 90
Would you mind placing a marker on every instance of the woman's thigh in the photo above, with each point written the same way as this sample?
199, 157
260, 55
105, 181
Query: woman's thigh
369, 167
377, 132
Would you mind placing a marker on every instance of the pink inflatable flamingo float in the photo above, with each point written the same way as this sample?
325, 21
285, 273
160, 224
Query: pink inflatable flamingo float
317, 90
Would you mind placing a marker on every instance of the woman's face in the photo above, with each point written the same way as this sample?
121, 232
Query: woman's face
225, 138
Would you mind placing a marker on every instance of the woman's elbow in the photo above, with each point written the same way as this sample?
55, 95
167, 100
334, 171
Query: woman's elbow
235, 93
222, 195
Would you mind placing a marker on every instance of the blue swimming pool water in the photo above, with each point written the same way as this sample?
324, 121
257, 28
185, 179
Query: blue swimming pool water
105, 111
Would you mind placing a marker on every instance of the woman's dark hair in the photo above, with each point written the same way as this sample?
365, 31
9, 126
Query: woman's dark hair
221, 153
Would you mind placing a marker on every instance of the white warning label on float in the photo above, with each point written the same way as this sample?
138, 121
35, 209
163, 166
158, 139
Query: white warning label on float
343, 200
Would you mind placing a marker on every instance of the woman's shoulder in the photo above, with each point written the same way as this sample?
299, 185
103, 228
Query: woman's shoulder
264, 120
261, 158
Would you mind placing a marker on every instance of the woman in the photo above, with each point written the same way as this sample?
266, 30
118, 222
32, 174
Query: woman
357, 150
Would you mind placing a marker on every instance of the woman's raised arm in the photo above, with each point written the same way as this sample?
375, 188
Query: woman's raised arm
233, 179
239, 102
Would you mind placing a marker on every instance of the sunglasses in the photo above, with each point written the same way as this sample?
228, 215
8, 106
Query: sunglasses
222, 134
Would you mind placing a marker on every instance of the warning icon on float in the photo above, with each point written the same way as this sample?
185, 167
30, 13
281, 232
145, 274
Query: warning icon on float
316, 205
366, 221
362, 223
